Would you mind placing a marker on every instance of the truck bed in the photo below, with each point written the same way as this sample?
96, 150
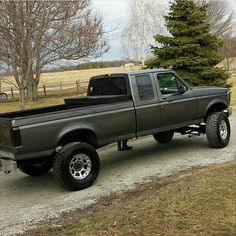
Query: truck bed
69, 104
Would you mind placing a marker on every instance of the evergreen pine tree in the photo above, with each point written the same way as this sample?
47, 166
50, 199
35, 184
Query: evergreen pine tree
190, 49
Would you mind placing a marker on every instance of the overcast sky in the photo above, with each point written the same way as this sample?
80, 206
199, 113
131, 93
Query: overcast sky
115, 13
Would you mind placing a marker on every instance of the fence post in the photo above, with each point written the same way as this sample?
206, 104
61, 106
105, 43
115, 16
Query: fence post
78, 85
12, 94
61, 87
44, 90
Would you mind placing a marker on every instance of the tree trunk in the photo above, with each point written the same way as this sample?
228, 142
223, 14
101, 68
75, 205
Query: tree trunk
143, 63
22, 98
35, 91
32, 90
227, 64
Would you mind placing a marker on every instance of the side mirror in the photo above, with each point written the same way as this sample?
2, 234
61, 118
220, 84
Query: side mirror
182, 89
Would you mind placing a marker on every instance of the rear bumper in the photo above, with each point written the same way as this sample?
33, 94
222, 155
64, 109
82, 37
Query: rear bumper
15, 154
5, 155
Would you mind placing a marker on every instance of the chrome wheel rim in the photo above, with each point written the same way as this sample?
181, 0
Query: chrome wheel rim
80, 166
223, 130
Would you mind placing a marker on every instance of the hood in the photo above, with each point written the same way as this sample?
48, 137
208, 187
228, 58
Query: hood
209, 90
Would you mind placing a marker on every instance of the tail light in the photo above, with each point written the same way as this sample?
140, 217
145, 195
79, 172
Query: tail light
9, 136
5, 135
16, 137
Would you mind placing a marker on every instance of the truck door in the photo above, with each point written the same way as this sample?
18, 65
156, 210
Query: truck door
146, 101
178, 104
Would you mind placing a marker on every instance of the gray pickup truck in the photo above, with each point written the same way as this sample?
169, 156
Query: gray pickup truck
118, 107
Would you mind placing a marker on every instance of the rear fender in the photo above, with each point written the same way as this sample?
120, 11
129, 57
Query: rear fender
81, 133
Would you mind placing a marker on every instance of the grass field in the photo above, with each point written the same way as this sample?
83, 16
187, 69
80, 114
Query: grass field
56, 77
14, 106
197, 202
84, 76
233, 90
70, 76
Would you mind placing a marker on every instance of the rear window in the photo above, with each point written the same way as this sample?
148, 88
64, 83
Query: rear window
107, 86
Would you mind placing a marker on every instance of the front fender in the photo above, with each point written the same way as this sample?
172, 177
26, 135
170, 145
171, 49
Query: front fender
218, 104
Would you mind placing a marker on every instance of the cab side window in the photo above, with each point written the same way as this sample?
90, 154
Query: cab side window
145, 88
169, 83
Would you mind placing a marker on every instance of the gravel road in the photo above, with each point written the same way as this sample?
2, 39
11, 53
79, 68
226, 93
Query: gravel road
25, 201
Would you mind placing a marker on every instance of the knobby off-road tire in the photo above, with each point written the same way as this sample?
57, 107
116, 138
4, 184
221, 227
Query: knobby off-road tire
218, 129
35, 168
164, 137
76, 166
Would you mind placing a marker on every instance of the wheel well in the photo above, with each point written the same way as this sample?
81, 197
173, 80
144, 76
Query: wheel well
216, 107
85, 136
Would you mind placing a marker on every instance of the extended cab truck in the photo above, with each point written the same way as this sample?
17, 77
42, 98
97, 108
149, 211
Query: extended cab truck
118, 107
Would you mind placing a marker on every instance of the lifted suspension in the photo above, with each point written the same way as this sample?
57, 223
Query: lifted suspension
196, 130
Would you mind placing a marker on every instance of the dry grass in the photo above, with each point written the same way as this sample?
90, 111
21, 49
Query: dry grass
70, 76
233, 90
232, 63
56, 77
198, 202
73, 76
14, 106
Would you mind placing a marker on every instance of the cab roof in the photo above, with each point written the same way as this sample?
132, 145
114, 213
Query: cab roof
133, 73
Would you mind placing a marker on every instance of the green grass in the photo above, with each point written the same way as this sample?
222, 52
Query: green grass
200, 202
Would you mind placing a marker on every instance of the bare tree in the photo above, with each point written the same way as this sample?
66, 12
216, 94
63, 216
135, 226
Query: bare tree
34, 34
220, 15
222, 20
145, 21
228, 51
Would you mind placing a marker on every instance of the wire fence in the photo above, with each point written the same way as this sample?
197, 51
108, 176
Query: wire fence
57, 89
52, 90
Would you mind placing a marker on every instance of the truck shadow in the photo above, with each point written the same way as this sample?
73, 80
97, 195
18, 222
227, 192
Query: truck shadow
151, 149
25, 184
146, 152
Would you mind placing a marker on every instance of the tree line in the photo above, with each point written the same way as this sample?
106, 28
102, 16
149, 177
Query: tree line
105, 64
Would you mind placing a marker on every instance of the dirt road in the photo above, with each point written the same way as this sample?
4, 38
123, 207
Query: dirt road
25, 201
